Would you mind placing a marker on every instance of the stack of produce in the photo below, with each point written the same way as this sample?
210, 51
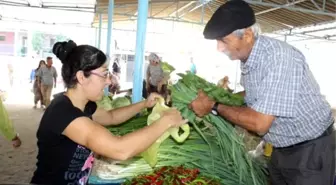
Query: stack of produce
232, 150
213, 145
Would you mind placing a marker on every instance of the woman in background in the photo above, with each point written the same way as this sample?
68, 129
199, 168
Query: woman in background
37, 87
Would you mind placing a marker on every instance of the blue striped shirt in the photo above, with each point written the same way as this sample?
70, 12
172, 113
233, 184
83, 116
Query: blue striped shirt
278, 82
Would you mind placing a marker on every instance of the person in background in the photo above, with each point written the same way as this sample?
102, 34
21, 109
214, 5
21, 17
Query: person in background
193, 68
10, 74
155, 79
48, 77
37, 86
116, 67
72, 128
114, 87
32, 75
283, 100
7, 128
224, 83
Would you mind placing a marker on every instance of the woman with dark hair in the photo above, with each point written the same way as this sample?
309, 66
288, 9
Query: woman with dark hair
72, 127
37, 86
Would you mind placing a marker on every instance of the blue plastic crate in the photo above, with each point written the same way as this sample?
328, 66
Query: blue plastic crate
94, 180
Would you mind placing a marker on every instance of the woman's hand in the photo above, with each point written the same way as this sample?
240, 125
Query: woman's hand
151, 100
173, 118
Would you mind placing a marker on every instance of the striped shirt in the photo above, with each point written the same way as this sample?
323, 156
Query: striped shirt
278, 82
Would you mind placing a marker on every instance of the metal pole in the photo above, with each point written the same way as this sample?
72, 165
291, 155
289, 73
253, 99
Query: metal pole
96, 38
99, 31
109, 34
202, 16
139, 50
109, 27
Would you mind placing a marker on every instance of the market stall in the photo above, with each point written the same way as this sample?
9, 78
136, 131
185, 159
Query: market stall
207, 150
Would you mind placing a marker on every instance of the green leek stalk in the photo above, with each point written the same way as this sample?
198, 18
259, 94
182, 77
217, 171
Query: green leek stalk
232, 150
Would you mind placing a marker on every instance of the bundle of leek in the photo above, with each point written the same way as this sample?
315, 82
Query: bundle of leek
232, 150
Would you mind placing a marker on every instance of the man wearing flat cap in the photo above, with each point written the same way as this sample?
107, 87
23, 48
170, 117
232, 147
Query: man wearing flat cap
283, 99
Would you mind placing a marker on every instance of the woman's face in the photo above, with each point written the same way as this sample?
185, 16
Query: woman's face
94, 85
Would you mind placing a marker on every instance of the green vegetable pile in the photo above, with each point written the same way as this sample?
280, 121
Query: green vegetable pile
213, 145
233, 156
108, 103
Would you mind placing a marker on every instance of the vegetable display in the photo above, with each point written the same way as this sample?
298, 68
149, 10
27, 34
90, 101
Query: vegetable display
108, 103
232, 148
173, 175
211, 144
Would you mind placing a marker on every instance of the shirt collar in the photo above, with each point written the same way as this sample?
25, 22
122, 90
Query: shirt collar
253, 59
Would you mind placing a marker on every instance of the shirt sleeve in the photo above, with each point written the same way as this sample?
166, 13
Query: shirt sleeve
55, 73
279, 90
90, 108
60, 123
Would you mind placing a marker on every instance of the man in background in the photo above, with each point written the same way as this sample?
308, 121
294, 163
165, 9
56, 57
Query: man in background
192, 66
48, 77
224, 83
116, 68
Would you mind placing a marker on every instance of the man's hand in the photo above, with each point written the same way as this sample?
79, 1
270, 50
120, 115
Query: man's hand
151, 100
202, 105
16, 142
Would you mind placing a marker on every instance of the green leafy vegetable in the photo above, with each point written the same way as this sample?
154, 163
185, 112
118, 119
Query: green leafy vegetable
150, 155
167, 68
105, 103
120, 102
108, 103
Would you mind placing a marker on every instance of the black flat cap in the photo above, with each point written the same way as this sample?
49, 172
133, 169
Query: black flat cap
231, 16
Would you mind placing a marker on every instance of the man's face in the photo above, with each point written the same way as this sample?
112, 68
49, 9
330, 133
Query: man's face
154, 63
49, 62
236, 48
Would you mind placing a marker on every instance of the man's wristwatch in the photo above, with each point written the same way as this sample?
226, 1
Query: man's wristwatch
214, 109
